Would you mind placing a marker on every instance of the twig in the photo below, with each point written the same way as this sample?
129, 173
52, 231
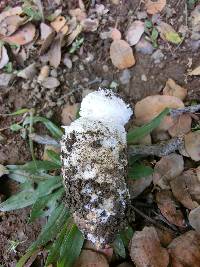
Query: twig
43, 139
189, 109
159, 150
157, 224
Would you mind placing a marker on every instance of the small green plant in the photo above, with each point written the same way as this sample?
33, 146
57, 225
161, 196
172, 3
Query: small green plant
41, 187
13, 245
191, 3
76, 45
152, 32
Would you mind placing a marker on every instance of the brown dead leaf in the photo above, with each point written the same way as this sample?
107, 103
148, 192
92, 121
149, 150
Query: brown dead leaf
22, 36
151, 106
165, 237
195, 72
135, 32
11, 12
173, 89
72, 36
121, 54
184, 250
4, 59
69, 113
167, 33
182, 125
58, 23
167, 168
192, 145
45, 30
10, 24
44, 73
198, 173
186, 189
54, 53
194, 219
169, 208
107, 251
146, 250
89, 258
154, 7
28, 73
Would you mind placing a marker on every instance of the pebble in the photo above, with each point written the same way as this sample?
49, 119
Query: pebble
25, 86
125, 77
144, 47
67, 61
50, 82
105, 68
54, 73
157, 56
5, 79
144, 78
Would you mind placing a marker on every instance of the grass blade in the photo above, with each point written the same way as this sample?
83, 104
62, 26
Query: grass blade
54, 157
137, 134
39, 165
71, 247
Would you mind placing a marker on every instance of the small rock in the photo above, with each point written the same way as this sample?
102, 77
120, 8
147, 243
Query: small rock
6, 79
144, 47
69, 113
54, 73
89, 258
90, 25
105, 68
135, 32
125, 77
173, 89
44, 73
192, 145
157, 56
144, 78
50, 82
194, 219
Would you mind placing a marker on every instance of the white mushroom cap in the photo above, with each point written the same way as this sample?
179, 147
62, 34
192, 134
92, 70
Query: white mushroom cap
104, 105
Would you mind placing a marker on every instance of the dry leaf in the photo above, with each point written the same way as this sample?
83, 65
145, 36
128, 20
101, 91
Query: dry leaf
44, 73
46, 43
192, 145
173, 89
182, 125
121, 54
186, 189
90, 25
194, 72
45, 30
198, 173
69, 113
115, 34
167, 33
89, 258
167, 168
165, 237
78, 13
72, 36
151, 106
107, 251
10, 24
4, 59
170, 208
146, 250
154, 7
11, 12
184, 250
135, 32
22, 36
58, 23
194, 219
54, 53
136, 187
28, 73
50, 82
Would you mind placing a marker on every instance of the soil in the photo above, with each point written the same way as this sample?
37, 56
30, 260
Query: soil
91, 69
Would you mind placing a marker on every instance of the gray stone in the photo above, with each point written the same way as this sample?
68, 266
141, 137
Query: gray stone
125, 77
5, 79
144, 47
157, 56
